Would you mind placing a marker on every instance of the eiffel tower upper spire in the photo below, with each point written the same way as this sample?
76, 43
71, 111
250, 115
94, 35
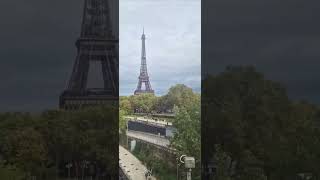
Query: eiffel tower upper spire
143, 77
143, 68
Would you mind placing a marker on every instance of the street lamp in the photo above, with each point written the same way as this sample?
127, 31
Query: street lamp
189, 163
69, 166
178, 165
84, 165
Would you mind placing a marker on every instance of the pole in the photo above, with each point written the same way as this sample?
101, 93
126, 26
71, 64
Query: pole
69, 173
177, 171
189, 175
82, 170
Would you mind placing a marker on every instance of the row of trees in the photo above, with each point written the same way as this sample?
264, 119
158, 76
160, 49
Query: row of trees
45, 145
252, 130
178, 95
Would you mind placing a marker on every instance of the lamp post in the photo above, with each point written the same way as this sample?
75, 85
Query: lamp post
69, 166
189, 163
84, 165
178, 165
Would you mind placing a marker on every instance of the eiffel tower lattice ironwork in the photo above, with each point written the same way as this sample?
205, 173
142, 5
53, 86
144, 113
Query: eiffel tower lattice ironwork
97, 43
143, 77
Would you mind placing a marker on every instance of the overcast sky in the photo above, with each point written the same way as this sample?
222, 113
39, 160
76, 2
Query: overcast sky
280, 37
173, 45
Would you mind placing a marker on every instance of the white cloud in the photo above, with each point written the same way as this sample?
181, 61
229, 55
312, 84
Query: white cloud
173, 30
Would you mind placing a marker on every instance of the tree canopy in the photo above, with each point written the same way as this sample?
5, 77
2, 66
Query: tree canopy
178, 95
42, 145
255, 123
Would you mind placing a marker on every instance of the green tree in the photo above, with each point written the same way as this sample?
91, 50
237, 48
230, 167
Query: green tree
187, 139
122, 120
125, 105
27, 149
179, 95
258, 126
41, 145
143, 102
223, 164
11, 172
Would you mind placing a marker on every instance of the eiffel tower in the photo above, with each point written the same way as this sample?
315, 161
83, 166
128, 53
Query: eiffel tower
97, 44
143, 77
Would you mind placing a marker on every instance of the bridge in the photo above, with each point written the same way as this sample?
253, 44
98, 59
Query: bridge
151, 131
154, 140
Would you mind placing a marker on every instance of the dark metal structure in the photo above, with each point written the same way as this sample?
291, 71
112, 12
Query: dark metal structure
146, 128
151, 128
143, 77
96, 43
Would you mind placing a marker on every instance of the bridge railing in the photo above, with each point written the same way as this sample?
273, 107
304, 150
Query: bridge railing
156, 142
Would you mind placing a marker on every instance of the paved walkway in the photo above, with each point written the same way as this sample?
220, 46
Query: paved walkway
131, 166
150, 138
148, 120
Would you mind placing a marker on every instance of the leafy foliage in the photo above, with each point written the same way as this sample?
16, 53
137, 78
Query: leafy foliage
42, 145
187, 139
159, 164
179, 95
253, 121
143, 103
11, 172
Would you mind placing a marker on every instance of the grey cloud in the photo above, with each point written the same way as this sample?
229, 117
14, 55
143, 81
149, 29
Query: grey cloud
36, 51
280, 38
173, 33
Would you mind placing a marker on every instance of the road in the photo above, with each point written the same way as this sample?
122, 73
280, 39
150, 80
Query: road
148, 120
131, 166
